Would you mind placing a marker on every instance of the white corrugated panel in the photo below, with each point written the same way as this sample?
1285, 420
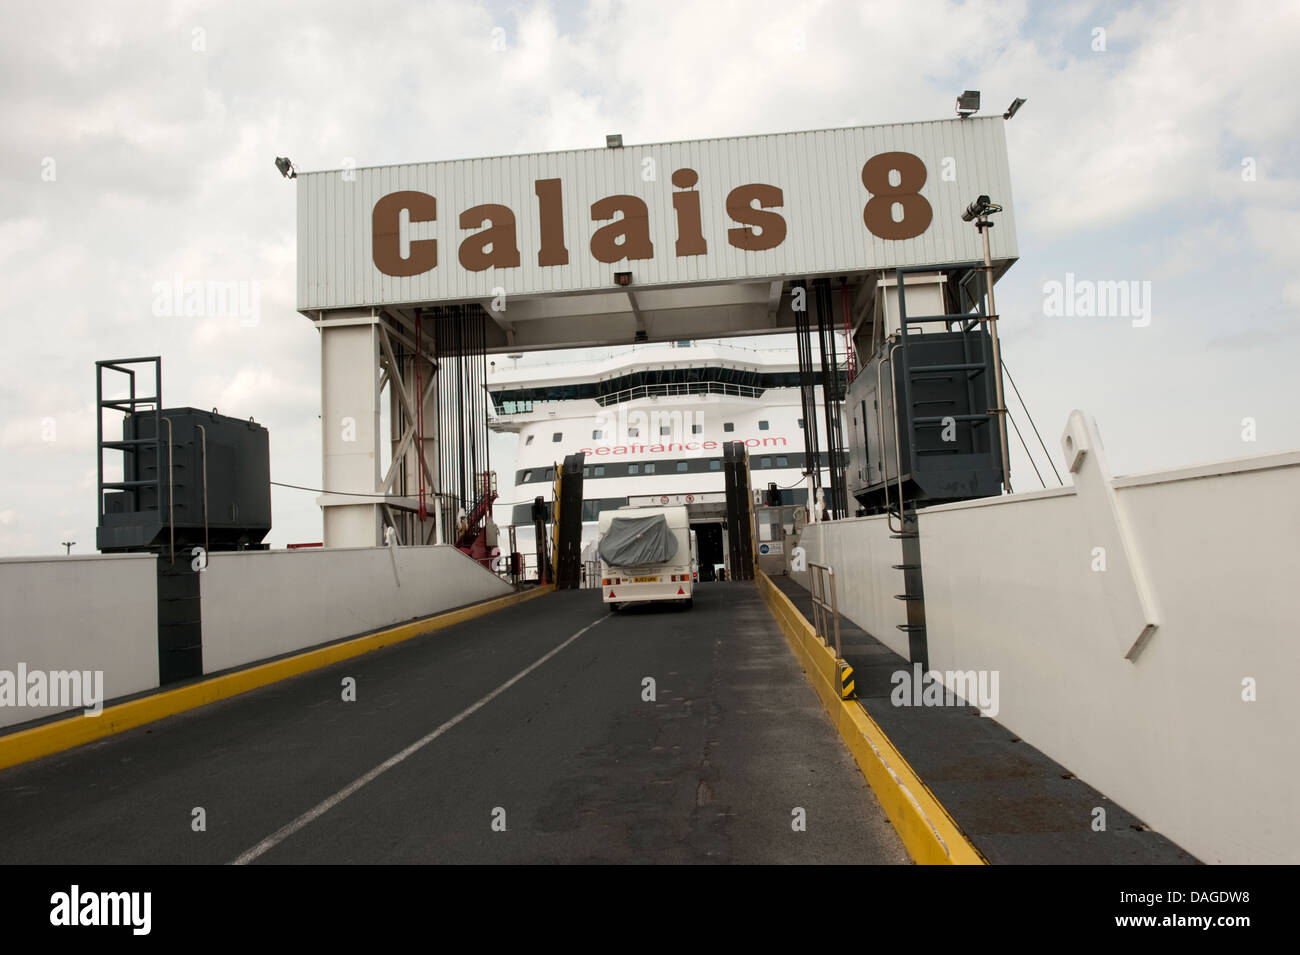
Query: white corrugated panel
819, 174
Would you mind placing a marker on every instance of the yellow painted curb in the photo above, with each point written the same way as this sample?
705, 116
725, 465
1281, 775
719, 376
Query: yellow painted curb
929, 833
54, 737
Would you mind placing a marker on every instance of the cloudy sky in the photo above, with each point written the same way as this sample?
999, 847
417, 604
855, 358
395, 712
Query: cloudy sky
1159, 145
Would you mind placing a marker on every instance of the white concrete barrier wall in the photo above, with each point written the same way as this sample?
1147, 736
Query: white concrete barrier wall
1010, 587
862, 554
90, 613
261, 604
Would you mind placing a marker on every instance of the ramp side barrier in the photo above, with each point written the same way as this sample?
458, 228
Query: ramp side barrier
24, 745
928, 831
821, 584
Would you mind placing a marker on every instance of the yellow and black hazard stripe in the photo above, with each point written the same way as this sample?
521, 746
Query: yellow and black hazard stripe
847, 687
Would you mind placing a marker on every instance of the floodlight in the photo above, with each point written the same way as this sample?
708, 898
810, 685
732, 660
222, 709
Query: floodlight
968, 102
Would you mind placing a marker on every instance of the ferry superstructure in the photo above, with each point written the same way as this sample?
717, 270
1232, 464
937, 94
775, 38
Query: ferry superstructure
651, 422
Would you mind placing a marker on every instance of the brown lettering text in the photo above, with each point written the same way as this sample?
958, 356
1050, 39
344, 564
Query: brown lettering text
633, 228
740, 206
386, 247
550, 212
495, 247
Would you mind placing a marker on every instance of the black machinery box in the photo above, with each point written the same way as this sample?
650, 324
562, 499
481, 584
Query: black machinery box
196, 478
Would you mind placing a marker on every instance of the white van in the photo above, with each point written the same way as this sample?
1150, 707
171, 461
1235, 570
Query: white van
646, 553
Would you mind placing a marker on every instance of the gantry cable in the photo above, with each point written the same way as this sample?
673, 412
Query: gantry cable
807, 384
1007, 372
461, 348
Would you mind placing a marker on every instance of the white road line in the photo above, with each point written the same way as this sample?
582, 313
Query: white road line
277, 837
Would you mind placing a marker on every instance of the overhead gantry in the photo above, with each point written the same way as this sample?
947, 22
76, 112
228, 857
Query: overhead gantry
413, 273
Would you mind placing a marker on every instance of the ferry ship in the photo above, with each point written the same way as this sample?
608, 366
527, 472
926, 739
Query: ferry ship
651, 423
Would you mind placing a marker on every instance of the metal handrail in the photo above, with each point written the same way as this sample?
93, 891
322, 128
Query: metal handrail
664, 389
898, 447
204, 435
880, 429
726, 345
884, 441
171, 494
507, 409
821, 584
676, 388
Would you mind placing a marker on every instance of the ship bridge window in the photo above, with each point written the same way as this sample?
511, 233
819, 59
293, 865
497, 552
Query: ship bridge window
762, 426
801, 422
557, 437
650, 468
697, 429
682, 465
650, 382
665, 430
729, 426
634, 432
599, 470
591, 508
634, 469
765, 463
595, 435
715, 464
782, 462
528, 476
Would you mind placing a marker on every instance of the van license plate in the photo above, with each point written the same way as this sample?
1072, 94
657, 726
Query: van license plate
645, 580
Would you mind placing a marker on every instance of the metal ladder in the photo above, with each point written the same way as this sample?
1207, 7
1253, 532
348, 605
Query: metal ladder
486, 491
972, 366
129, 406
132, 405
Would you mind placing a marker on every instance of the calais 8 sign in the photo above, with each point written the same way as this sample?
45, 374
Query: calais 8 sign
751, 208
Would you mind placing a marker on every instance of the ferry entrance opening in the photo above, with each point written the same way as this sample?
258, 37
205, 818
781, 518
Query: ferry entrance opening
711, 553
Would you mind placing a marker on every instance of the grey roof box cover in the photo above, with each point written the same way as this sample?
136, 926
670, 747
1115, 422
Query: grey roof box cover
638, 541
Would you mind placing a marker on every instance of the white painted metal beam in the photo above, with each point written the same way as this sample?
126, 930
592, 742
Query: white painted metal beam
1113, 548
